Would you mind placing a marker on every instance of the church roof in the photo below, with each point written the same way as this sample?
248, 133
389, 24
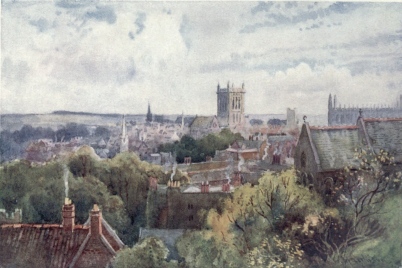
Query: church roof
335, 147
247, 144
202, 122
384, 134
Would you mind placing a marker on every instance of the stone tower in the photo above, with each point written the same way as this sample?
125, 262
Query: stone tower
124, 136
230, 104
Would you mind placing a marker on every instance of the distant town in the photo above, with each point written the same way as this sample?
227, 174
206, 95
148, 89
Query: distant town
173, 173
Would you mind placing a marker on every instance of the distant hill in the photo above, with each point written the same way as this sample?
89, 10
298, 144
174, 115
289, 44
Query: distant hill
83, 113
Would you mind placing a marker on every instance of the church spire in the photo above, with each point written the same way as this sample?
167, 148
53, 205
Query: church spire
149, 114
124, 136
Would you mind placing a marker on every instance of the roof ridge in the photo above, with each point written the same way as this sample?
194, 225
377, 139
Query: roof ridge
382, 119
112, 232
341, 127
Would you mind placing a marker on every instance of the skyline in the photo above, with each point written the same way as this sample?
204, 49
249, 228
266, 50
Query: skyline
115, 57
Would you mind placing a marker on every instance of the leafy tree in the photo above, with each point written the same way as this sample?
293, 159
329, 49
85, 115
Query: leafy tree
103, 132
198, 150
360, 194
150, 252
256, 122
202, 249
83, 162
260, 222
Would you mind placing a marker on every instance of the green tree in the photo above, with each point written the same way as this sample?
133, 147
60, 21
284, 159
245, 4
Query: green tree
202, 249
148, 253
359, 195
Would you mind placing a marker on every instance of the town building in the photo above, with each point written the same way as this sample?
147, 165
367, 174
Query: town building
204, 125
322, 153
93, 244
338, 115
230, 104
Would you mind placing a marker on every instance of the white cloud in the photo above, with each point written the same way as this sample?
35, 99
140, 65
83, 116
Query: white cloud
59, 58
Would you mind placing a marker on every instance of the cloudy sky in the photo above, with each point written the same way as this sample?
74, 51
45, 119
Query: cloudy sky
114, 57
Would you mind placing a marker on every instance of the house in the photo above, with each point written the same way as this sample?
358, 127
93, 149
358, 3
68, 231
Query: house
92, 244
204, 125
323, 152
247, 149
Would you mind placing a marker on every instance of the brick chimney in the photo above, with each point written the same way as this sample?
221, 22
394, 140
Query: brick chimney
68, 212
205, 187
96, 221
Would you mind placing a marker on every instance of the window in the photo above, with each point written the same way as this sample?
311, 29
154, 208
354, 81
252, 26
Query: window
190, 218
303, 160
190, 206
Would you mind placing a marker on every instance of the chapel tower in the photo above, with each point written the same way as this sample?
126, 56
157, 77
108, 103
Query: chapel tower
230, 105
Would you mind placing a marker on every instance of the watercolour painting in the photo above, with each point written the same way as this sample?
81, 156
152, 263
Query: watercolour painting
200, 134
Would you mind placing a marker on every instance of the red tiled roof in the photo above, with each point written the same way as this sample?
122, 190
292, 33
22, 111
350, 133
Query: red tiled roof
50, 245
46, 243
333, 127
381, 119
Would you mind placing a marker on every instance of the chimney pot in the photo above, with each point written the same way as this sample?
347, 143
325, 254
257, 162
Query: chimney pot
68, 212
96, 221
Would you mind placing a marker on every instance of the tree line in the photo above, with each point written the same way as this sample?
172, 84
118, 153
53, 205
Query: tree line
199, 149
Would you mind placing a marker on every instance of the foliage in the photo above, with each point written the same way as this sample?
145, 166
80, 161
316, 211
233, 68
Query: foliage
256, 122
13, 144
360, 193
102, 132
201, 249
198, 150
124, 176
257, 226
276, 122
150, 252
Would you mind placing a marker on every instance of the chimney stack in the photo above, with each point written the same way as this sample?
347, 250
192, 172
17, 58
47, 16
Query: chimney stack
205, 187
96, 221
68, 212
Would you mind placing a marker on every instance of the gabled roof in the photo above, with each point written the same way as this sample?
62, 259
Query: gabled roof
247, 144
384, 134
334, 146
202, 122
53, 246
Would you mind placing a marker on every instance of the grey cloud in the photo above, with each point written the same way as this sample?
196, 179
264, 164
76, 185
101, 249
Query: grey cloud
103, 13
262, 7
41, 24
140, 22
360, 66
185, 30
304, 13
72, 4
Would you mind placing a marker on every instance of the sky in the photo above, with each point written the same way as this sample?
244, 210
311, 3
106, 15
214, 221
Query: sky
115, 57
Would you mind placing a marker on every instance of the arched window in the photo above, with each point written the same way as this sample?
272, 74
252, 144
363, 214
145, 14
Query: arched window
303, 160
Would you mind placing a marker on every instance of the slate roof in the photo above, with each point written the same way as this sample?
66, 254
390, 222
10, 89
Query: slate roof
202, 122
280, 138
49, 245
247, 144
335, 146
385, 134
